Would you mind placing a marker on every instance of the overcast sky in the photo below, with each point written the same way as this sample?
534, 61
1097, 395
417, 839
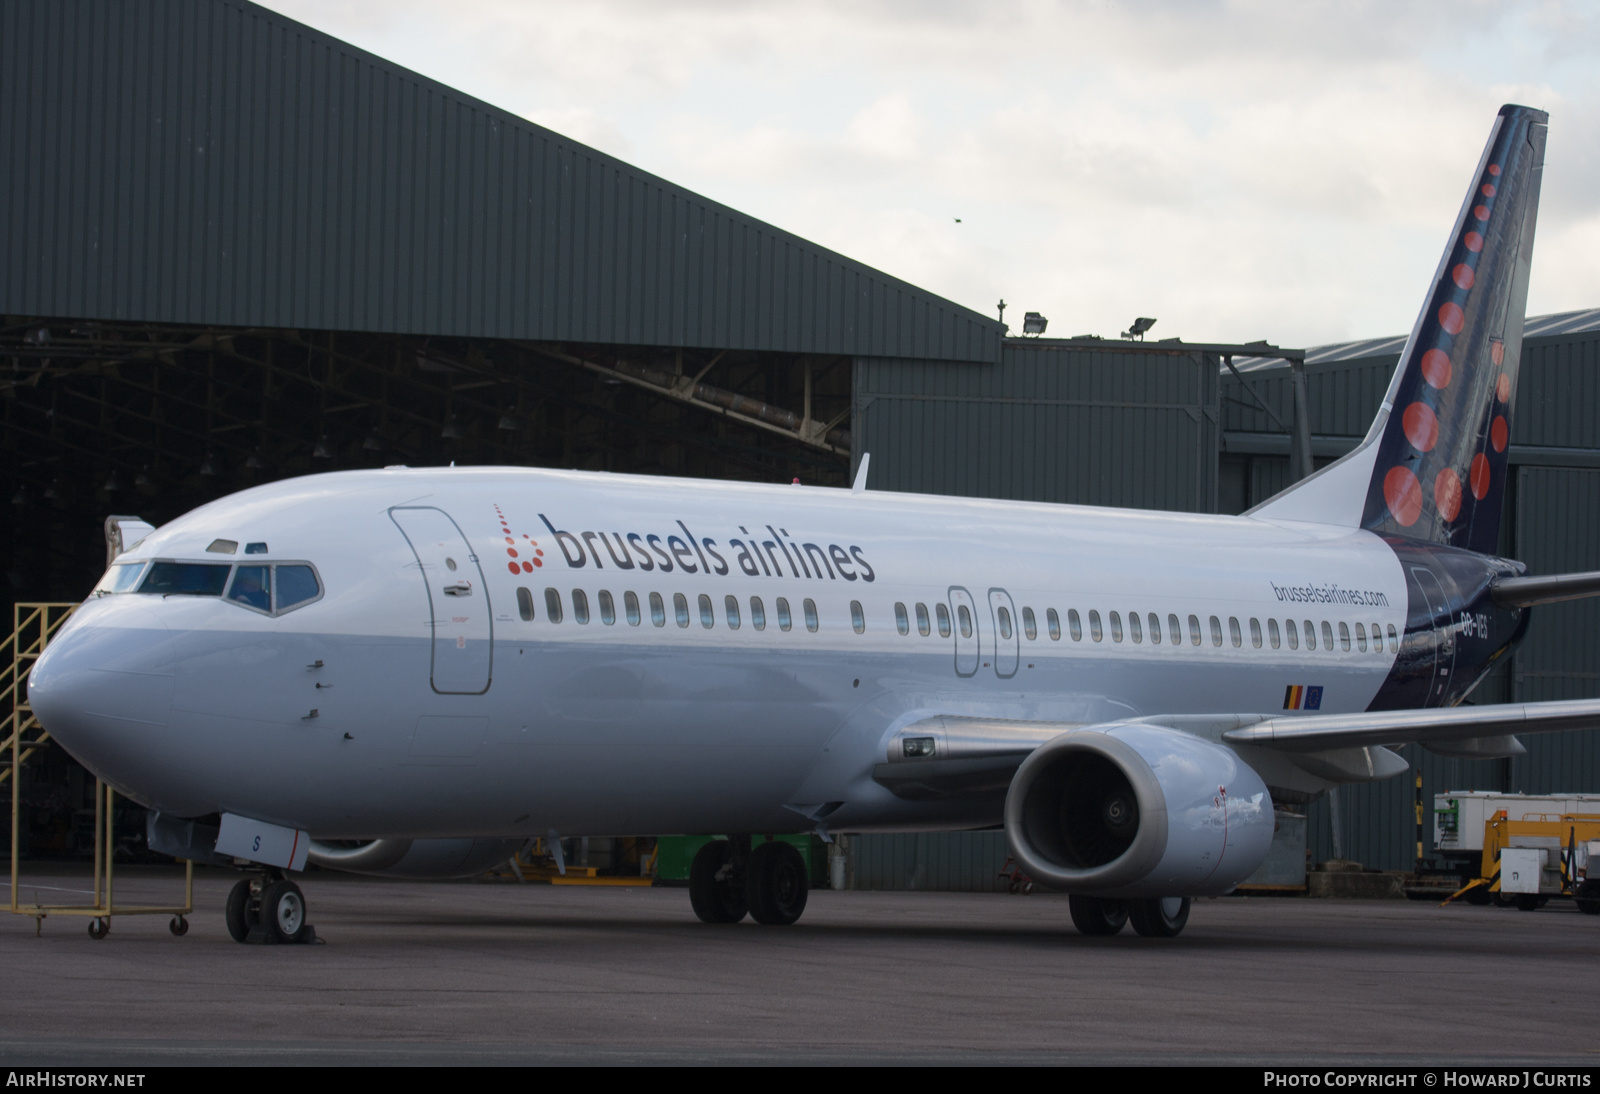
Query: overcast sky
1242, 170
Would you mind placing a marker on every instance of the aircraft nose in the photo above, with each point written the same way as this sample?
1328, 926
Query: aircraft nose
103, 688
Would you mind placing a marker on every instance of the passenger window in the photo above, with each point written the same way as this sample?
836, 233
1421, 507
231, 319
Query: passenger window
1194, 630
608, 608
857, 619
922, 619
1155, 628
1053, 621
810, 607
252, 587
580, 606
964, 618
707, 619
1135, 632
730, 611
1394, 640
758, 614
1255, 632
1094, 626
1030, 626
1292, 634
1174, 630
1075, 624
1327, 636
1311, 635
1361, 637
186, 578
552, 605
524, 604
680, 609
1344, 636
1005, 623
943, 615
902, 622
658, 611
1272, 632
630, 605
784, 620
1216, 631
1234, 633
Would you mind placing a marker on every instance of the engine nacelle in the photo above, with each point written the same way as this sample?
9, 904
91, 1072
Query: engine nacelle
1135, 810
421, 859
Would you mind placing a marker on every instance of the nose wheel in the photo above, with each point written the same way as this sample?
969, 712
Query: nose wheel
266, 911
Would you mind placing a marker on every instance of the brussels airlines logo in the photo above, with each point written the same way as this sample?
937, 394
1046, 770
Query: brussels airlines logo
768, 552
525, 556
1330, 594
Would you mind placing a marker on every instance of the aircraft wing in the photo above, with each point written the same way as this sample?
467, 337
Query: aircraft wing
1319, 732
946, 756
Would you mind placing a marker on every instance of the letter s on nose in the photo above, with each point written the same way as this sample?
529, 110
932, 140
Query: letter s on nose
256, 846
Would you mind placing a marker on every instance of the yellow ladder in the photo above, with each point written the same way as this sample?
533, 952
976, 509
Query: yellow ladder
33, 626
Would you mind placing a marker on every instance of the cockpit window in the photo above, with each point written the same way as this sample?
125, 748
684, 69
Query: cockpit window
297, 584
186, 578
121, 578
252, 587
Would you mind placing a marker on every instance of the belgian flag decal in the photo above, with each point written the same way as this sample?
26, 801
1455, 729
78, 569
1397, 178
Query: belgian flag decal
1302, 697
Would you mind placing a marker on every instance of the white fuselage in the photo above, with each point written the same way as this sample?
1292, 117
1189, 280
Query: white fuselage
441, 710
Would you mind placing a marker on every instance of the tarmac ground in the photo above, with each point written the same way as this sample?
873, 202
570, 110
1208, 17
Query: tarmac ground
475, 972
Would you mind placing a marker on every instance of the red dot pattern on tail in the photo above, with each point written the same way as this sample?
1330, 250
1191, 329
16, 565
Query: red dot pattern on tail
1404, 495
1422, 426
1447, 494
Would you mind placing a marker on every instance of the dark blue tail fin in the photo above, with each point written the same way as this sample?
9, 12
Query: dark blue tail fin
1433, 466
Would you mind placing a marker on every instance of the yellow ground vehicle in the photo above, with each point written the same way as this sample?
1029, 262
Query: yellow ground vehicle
1529, 860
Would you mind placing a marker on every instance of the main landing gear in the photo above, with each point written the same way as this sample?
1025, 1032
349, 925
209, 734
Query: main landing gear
1158, 917
267, 910
729, 879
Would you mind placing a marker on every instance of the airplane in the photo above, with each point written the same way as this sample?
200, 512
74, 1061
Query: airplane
412, 672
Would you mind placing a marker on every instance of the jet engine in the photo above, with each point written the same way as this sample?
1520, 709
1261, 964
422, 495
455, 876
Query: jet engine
1137, 810
421, 859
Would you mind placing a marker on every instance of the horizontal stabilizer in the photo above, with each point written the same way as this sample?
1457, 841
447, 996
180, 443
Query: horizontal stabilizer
1319, 732
1525, 592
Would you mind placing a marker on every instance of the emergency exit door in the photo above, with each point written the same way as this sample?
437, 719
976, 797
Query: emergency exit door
458, 600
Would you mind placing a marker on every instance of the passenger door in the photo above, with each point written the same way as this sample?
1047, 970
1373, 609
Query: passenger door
1444, 634
458, 600
1007, 640
964, 621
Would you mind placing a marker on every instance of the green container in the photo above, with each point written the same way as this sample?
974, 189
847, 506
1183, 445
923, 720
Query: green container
674, 854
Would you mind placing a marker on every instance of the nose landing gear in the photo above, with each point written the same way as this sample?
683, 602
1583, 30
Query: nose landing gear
268, 910
729, 880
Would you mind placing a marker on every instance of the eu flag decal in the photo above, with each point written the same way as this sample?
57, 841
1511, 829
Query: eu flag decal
1302, 697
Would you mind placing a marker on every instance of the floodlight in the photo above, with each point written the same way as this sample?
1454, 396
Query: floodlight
1138, 328
1034, 323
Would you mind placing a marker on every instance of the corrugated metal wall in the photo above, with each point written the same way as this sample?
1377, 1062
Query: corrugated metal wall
212, 162
1047, 423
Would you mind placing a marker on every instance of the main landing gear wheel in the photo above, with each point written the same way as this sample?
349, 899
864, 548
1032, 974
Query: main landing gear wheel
283, 911
1162, 917
716, 891
240, 913
776, 884
1094, 915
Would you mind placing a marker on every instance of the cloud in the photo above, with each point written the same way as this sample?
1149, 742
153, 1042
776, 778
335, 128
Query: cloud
1239, 168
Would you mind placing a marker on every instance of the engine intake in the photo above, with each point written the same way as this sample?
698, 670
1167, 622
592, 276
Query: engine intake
1137, 810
